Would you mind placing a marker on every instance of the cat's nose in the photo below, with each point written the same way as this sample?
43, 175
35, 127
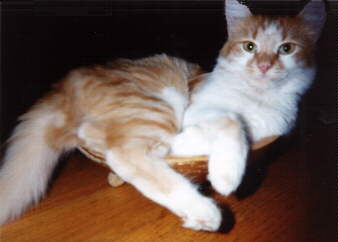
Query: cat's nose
264, 67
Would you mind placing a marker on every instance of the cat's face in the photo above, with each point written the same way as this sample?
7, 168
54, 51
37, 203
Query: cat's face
263, 50
266, 51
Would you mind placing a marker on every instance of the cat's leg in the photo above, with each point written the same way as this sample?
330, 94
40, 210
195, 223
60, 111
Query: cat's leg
156, 180
142, 167
228, 154
221, 135
192, 141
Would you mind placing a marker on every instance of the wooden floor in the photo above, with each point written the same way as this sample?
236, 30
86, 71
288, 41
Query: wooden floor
292, 202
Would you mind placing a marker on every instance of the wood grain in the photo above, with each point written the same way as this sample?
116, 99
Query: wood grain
81, 206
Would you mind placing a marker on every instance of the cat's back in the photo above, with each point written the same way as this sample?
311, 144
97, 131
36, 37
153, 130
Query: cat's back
125, 77
151, 91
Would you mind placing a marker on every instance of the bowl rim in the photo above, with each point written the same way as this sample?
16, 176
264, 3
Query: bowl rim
175, 160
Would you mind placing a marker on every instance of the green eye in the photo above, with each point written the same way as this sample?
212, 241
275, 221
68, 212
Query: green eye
249, 46
286, 49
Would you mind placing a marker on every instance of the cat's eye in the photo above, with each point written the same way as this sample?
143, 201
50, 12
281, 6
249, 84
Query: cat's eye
286, 49
249, 47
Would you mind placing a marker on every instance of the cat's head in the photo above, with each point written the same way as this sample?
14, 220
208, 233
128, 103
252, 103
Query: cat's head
265, 49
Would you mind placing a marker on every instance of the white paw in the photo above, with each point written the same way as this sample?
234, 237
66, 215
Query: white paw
114, 180
226, 166
191, 142
224, 182
202, 215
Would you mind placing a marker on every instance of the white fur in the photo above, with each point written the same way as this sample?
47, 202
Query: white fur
272, 29
192, 142
261, 113
28, 164
264, 112
225, 143
176, 99
152, 176
182, 198
227, 157
234, 13
262, 104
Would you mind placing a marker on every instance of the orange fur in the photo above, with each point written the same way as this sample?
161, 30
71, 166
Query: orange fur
122, 108
122, 96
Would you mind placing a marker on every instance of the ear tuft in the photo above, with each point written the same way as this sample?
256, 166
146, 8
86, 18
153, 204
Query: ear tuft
235, 13
314, 16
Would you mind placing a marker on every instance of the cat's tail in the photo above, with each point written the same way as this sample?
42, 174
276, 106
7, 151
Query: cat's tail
30, 158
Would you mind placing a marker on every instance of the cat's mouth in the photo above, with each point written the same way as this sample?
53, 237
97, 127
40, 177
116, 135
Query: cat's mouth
266, 80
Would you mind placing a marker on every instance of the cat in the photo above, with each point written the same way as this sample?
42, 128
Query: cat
253, 92
132, 110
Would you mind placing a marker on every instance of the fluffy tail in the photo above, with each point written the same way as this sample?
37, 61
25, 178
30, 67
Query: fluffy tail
29, 160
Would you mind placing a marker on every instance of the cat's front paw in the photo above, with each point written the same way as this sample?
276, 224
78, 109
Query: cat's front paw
226, 166
202, 215
224, 182
191, 142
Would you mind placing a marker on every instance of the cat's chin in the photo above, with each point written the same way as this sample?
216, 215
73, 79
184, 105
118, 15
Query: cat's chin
266, 81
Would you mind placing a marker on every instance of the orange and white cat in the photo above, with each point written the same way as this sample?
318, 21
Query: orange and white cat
132, 110
253, 92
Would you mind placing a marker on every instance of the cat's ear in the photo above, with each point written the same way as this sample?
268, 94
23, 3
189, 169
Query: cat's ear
314, 16
235, 13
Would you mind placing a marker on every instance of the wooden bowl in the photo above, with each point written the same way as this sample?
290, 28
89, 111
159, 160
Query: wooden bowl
195, 168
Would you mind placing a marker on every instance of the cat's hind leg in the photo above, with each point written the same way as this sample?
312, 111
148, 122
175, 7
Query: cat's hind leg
140, 163
156, 180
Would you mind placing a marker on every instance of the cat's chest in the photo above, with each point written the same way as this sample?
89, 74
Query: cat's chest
263, 120
267, 114
264, 114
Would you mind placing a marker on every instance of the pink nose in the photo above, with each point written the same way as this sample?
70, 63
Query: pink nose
264, 67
